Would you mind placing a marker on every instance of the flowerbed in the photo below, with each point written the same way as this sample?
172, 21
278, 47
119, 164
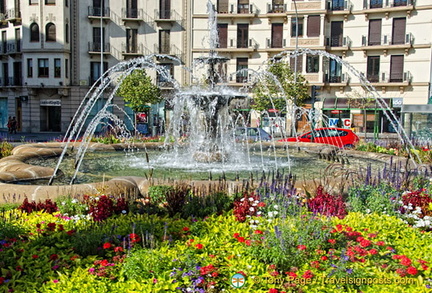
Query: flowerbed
275, 238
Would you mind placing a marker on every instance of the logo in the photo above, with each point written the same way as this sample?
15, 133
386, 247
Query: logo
238, 280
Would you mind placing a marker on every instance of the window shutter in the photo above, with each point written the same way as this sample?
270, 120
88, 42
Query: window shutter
313, 26
374, 32
398, 36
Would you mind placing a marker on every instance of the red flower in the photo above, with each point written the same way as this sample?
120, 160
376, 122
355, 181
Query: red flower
248, 242
35, 256
274, 273
401, 272
53, 256
324, 257
373, 251
236, 235
405, 261
70, 232
315, 264
258, 232
308, 274
134, 237
291, 275
106, 245
118, 249
273, 290
199, 246
104, 263
51, 226
332, 241
365, 243
2, 280
412, 271
241, 239
185, 229
214, 274
380, 243
261, 204
301, 247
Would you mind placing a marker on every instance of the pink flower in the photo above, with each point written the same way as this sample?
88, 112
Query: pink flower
301, 247
55, 281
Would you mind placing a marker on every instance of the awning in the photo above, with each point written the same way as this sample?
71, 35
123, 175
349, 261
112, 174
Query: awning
347, 104
424, 109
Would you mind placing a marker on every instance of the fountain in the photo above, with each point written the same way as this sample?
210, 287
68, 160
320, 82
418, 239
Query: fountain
205, 108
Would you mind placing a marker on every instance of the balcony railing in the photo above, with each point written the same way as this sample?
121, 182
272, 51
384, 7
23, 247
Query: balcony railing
95, 47
129, 13
339, 5
244, 9
341, 78
398, 77
244, 44
98, 12
338, 41
13, 14
13, 47
171, 50
276, 8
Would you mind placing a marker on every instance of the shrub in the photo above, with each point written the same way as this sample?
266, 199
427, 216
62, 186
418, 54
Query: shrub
205, 205
176, 198
48, 206
5, 149
327, 205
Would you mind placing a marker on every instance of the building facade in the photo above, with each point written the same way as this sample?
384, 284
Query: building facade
52, 51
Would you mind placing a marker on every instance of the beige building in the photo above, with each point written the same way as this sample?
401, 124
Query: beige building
53, 50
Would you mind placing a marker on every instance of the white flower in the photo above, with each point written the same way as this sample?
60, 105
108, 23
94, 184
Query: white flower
74, 201
276, 206
258, 213
63, 203
270, 214
251, 199
242, 199
368, 211
124, 212
251, 209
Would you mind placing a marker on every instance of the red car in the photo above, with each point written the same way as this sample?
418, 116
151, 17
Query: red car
340, 137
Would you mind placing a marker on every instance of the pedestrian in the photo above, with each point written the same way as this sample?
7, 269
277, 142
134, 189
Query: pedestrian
9, 124
14, 125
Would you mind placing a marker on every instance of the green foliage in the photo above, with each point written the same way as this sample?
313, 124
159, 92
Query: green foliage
137, 89
145, 264
109, 139
279, 90
5, 149
71, 206
382, 199
157, 194
205, 205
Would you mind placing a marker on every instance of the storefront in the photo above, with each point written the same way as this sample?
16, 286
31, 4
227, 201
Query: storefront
360, 114
417, 121
50, 115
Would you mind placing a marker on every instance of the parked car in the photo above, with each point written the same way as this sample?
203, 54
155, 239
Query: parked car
340, 137
251, 134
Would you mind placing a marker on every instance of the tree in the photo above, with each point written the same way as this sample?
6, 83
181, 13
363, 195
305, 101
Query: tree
278, 87
137, 90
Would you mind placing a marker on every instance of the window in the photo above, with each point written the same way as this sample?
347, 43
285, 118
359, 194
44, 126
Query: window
97, 39
376, 4
33, 2
4, 41
131, 40
277, 6
223, 34
396, 68
299, 63
66, 68
242, 35
43, 67
242, 74
67, 3
17, 73
336, 35
398, 35
312, 64
95, 71
2, 6
131, 9
34, 32
222, 6
294, 26
50, 2
165, 9
50, 32
277, 35
5, 74
67, 33
374, 32
57, 67
97, 6
337, 4
165, 79
18, 39
164, 41
400, 2
30, 67
335, 69
373, 68
313, 25
243, 6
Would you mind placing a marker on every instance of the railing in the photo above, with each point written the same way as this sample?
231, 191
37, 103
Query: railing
342, 78
276, 8
13, 14
271, 43
244, 9
130, 49
244, 43
339, 5
15, 81
171, 50
132, 13
12, 48
96, 47
371, 4
96, 11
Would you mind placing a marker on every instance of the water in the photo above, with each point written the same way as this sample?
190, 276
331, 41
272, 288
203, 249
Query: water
202, 123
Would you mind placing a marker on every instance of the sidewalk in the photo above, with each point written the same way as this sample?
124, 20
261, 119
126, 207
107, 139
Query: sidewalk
30, 137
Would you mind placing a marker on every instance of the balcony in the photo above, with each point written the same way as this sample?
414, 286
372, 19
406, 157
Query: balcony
240, 46
277, 11
387, 6
241, 12
341, 80
340, 7
131, 15
386, 44
3, 20
95, 13
171, 50
272, 46
339, 43
13, 48
13, 15
169, 17
383, 80
95, 48
134, 51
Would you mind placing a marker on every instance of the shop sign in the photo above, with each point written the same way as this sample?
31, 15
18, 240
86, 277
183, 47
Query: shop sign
50, 103
336, 111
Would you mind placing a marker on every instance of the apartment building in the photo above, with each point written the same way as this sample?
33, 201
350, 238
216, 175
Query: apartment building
52, 51
388, 41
